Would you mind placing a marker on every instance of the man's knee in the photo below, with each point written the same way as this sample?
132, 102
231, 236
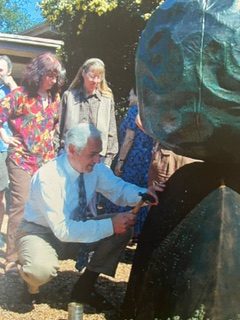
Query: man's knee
39, 272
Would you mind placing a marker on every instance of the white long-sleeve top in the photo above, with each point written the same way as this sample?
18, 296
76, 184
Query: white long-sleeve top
54, 198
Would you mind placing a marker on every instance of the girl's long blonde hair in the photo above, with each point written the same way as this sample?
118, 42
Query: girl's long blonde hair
97, 65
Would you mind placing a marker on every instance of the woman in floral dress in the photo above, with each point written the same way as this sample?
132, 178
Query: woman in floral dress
32, 112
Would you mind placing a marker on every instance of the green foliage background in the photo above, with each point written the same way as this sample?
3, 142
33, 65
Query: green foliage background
12, 18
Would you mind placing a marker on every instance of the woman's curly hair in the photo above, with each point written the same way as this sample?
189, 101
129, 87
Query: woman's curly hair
44, 64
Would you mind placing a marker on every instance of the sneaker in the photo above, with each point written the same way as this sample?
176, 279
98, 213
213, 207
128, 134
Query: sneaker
93, 299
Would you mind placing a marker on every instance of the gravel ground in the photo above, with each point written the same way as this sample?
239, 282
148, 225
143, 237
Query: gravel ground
55, 294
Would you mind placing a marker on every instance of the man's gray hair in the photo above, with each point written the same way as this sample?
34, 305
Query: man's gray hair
9, 63
79, 135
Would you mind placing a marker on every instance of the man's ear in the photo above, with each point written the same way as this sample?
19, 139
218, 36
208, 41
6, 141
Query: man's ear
71, 149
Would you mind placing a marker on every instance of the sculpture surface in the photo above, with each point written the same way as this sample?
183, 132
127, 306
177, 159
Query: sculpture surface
188, 80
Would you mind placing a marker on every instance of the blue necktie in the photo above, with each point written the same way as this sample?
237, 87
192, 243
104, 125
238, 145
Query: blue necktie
81, 213
85, 252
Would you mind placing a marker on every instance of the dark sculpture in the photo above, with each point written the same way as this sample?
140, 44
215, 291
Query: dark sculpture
188, 80
188, 76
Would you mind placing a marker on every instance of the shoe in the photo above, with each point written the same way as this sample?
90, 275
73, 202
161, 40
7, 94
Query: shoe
30, 299
133, 241
93, 299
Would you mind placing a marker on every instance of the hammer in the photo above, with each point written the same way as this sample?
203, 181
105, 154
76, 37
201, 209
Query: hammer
146, 198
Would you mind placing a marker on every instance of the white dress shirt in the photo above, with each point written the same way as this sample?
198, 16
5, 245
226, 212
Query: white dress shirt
54, 197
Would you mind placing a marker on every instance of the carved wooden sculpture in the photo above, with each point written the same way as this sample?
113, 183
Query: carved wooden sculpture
188, 79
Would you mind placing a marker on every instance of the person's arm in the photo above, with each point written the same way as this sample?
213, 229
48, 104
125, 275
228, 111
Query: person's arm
8, 139
126, 146
116, 189
56, 137
10, 82
7, 106
123, 221
48, 206
121, 192
62, 118
112, 146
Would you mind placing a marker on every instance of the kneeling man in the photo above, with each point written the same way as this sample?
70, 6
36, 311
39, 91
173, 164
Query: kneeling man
57, 224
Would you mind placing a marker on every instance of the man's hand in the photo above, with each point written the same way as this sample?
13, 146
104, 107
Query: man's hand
122, 222
9, 139
152, 191
118, 168
9, 81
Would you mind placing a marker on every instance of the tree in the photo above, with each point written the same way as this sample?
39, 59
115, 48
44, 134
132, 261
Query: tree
12, 18
107, 29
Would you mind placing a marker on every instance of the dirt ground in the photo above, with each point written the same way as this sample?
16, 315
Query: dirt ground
55, 295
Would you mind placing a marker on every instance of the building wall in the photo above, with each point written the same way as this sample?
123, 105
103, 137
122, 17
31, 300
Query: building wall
21, 49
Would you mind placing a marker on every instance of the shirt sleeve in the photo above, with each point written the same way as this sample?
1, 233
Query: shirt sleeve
46, 207
62, 116
56, 134
116, 189
7, 106
112, 147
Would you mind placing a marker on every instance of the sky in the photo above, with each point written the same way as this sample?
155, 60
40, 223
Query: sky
31, 8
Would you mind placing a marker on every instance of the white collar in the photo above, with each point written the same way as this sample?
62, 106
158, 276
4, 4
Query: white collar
71, 173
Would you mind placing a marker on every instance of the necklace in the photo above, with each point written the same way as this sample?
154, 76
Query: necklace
44, 101
44, 98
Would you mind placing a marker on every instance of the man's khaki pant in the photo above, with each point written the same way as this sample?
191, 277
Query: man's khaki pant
39, 251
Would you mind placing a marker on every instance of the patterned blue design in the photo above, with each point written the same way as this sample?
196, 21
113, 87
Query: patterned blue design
85, 252
81, 212
136, 165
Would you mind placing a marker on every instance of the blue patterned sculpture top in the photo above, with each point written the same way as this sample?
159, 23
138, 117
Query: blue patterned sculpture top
188, 78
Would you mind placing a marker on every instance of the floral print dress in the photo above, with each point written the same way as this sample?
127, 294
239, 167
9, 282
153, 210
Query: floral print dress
136, 165
33, 124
